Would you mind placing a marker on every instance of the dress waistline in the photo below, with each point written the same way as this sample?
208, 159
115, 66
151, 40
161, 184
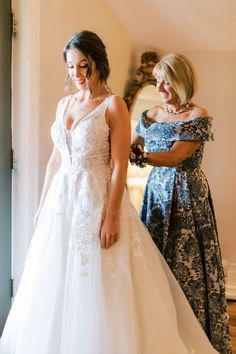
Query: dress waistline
85, 163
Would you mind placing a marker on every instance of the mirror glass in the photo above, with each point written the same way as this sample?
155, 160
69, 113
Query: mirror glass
146, 98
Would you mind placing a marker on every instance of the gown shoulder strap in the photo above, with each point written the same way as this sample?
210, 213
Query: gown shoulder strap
63, 106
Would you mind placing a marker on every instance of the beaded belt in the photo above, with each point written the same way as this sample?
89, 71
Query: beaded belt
87, 163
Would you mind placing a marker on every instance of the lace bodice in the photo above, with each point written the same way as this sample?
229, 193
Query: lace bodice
87, 144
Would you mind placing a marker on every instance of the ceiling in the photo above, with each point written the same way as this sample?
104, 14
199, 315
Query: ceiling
178, 25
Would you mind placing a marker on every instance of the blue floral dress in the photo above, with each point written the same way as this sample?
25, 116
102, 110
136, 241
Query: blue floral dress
178, 212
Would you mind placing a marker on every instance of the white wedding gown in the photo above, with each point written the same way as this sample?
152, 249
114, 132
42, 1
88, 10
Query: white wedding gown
74, 296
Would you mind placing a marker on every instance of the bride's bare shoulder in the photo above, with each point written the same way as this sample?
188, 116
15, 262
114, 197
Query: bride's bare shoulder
63, 100
116, 101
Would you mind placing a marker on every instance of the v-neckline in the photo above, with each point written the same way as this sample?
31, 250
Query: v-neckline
76, 122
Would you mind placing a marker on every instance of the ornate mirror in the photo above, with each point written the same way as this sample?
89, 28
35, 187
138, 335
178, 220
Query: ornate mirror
140, 95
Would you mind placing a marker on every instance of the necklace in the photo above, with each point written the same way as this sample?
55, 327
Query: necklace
171, 112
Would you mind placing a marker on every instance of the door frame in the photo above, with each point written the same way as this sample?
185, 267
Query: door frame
5, 159
25, 129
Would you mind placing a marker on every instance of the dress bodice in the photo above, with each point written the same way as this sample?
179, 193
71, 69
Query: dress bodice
87, 144
160, 136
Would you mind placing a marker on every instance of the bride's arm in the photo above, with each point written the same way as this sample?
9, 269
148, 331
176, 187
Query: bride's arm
117, 117
52, 167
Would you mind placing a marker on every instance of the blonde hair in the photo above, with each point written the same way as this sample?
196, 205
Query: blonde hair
180, 73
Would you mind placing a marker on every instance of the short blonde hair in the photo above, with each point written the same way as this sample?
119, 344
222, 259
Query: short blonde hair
180, 73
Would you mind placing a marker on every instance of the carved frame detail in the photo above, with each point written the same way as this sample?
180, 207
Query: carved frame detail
142, 78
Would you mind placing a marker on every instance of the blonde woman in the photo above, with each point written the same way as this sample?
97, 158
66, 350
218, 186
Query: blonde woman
177, 206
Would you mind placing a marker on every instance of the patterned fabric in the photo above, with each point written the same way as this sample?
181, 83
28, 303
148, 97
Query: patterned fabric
177, 210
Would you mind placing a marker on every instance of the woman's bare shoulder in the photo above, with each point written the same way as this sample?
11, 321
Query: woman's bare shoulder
154, 111
117, 106
116, 110
63, 100
116, 101
198, 111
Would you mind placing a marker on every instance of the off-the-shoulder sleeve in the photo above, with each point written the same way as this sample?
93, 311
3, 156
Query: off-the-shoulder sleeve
197, 129
140, 128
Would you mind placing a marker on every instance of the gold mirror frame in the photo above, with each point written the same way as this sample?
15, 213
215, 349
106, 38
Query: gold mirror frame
142, 78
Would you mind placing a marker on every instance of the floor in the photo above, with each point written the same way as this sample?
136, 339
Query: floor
232, 323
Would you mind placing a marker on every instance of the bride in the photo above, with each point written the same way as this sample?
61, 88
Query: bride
94, 281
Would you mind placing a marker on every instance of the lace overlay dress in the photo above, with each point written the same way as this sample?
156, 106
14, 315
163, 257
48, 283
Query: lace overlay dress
178, 212
74, 296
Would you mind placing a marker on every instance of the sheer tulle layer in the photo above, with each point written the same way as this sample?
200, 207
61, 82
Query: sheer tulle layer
76, 298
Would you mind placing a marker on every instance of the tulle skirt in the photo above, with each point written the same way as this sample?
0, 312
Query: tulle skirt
77, 298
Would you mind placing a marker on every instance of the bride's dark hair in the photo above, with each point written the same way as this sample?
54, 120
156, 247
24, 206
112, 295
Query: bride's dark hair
92, 47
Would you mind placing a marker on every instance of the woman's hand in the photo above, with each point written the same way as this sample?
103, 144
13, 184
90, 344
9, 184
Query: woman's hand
109, 233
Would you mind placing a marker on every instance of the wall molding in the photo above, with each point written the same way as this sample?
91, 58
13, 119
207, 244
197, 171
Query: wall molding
25, 128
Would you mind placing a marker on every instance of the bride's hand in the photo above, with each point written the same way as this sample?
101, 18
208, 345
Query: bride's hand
109, 233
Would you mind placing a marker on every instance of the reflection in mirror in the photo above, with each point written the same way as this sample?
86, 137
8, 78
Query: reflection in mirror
137, 177
146, 98
141, 95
